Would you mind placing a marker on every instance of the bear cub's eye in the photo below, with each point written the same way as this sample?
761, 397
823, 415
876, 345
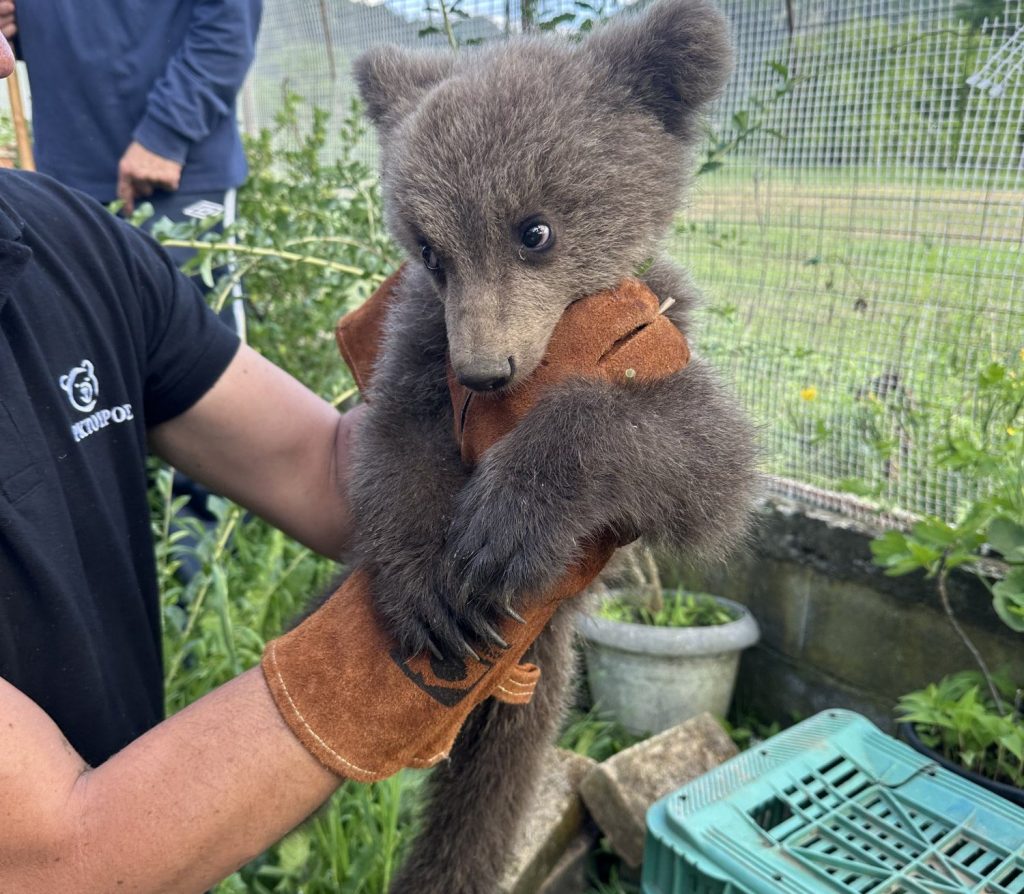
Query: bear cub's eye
430, 259
537, 235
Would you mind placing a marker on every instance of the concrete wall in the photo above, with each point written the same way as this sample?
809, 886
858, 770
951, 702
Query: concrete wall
835, 630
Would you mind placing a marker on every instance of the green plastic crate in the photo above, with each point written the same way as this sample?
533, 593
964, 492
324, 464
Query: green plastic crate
833, 805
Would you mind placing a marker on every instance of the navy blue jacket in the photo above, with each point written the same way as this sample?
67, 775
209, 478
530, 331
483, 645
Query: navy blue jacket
163, 72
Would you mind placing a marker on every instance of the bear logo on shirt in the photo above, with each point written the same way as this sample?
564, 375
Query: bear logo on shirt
81, 387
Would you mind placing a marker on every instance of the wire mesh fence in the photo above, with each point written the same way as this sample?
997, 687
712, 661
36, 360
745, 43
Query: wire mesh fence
862, 247
307, 46
857, 226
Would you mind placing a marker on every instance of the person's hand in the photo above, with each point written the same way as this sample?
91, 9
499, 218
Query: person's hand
8, 24
6, 58
140, 172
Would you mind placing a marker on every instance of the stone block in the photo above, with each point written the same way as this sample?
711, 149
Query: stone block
570, 873
619, 791
551, 825
881, 644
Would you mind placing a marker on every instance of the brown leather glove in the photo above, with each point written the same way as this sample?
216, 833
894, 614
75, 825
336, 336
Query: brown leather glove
338, 679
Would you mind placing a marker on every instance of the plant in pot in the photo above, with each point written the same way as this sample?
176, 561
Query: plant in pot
972, 722
655, 659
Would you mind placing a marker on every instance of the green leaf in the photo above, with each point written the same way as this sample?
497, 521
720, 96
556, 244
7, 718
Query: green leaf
959, 557
1013, 742
992, 374
934, 532
206, 270
1007, 536
708, 167
892, 552
555, 21
859, 487
926, 556
293, 851
1008, 600
741, 119
781, 70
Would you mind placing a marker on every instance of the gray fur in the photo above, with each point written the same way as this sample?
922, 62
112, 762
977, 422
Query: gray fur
477, 798
594, 137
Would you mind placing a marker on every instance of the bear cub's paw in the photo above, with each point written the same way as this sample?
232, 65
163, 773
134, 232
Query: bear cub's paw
507, 543
415, 604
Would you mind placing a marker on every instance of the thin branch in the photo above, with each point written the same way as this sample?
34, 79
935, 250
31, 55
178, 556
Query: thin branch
344, 396
452, 42
221, 296
240, 249
655, 599
336, 240
325, 20
948, 608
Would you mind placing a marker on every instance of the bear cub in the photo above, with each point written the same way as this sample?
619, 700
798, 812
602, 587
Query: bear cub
520, 177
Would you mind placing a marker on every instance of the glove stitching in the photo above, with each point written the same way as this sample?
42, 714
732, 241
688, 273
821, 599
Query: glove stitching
525, 685
524, 694
309, 729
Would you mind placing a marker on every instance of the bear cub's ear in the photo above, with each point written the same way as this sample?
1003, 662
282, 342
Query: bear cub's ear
392, 80
671, 59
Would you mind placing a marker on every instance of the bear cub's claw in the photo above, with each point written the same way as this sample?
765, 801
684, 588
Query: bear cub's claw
423, 617
504, 546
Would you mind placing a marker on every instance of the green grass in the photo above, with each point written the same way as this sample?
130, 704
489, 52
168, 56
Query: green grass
853, 315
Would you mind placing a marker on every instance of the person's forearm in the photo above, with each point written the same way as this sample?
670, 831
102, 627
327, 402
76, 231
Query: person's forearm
202, 78
308, 498
267, 442
180, 808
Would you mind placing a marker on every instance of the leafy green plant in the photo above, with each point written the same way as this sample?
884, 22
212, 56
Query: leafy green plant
958, 718
680, 609
449, 12
309, 243
746, 122
595, 735
985, 445
747, 731
608, 873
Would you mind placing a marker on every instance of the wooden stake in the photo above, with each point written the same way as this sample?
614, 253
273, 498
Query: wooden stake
25, 159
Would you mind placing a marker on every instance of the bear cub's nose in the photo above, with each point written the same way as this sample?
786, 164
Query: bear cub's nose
487, 375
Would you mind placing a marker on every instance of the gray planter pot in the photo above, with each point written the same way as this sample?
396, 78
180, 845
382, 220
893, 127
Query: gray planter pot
652, 678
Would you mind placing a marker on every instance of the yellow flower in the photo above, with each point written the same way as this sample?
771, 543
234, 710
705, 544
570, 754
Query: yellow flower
1011, 431
809, 393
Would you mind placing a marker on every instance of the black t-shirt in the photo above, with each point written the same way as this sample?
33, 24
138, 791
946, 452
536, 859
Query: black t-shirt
100, 338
